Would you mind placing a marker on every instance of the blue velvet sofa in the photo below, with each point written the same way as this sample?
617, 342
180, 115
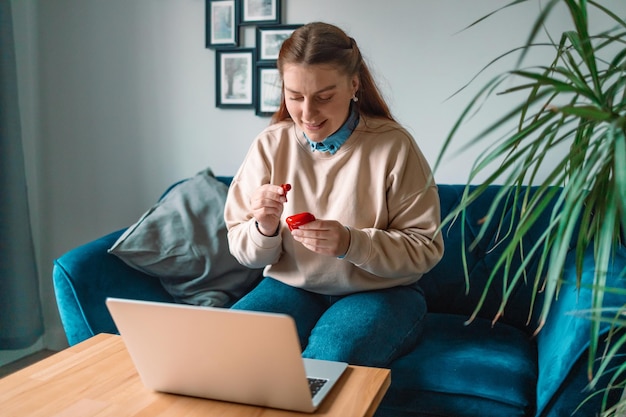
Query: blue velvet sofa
458, 369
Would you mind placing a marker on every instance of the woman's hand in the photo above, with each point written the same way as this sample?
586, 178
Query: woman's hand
326, 237
267, 206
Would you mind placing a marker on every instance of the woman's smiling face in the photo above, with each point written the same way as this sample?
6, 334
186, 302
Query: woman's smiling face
318, 98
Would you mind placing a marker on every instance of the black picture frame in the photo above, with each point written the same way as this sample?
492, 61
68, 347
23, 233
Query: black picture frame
222, 23
268, 90
234, 78
269, 40
260, 12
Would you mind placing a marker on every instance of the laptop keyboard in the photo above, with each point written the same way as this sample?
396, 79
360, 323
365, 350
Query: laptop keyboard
315, 384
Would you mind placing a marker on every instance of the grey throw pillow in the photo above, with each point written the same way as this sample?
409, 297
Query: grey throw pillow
182, 241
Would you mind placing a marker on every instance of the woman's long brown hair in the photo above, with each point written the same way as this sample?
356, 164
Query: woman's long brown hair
322, 43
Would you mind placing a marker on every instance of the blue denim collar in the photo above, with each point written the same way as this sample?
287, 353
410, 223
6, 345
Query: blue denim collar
332, 143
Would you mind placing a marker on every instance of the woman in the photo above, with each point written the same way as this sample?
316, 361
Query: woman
349, 278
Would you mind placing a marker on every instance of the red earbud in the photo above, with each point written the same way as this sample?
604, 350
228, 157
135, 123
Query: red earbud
286, 187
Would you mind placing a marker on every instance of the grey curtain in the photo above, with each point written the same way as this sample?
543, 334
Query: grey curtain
21, 321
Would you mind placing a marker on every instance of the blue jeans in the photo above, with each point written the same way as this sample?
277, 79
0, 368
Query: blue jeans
367, 328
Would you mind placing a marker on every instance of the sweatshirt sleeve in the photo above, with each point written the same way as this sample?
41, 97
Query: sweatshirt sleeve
411, 243
246, 243
400, 250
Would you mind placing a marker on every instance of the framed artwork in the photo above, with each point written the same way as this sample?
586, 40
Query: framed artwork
234, 78
221, 23
260, 12
269, 88
269, 40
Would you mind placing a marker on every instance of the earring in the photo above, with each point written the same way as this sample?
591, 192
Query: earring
355, 98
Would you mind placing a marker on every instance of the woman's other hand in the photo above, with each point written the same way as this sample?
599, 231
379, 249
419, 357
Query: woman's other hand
326, 237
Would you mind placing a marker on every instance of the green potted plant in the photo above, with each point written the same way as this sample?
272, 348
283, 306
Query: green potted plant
575, 102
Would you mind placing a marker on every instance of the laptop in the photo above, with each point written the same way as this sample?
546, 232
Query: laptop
220, 354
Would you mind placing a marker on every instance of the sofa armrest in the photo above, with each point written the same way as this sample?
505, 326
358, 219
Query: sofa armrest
564, 341
85, 276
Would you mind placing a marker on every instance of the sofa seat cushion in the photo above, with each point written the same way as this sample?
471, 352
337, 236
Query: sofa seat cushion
457, 368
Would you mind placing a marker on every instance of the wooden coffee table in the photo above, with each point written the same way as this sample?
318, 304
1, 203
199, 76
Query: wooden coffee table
97, 377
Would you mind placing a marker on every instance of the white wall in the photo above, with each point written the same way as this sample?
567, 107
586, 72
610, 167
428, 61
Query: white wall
118, 98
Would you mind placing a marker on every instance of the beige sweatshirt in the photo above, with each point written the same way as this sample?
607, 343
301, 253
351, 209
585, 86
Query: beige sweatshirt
376, 184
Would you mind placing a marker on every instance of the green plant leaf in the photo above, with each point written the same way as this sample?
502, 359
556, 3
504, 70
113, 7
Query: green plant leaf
577, 102
586, 112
